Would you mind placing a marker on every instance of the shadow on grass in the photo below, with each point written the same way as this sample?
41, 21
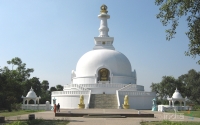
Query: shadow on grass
164, 122
38, 122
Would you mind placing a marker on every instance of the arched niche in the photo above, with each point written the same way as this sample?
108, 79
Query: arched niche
104, 74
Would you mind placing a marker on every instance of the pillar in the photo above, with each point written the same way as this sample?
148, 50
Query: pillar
27, 101
169, 103
180, 103
173, 103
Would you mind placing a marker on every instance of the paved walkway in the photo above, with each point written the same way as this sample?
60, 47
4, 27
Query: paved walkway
159, 116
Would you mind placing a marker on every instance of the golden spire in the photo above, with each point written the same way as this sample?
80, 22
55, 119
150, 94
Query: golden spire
104, 9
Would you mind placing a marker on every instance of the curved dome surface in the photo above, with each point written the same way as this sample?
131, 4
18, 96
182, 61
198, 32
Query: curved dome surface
116, 62
177, 95
31, 94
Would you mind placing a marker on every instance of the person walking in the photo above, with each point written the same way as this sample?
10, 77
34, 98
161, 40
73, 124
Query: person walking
54, 108
58, 106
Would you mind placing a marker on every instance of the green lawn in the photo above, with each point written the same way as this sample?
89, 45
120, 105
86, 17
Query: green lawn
170, 123
39, 122
14, 113
190, 113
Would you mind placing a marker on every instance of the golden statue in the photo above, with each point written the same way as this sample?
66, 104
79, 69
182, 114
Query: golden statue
126, 104
81, 99
104, 74
81, 105
104, 9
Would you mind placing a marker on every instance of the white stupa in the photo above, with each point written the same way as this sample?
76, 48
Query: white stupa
103, 73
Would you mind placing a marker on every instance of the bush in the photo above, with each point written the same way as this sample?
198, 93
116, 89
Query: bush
35, 122
18, 123
16, 106
170, 123
196, 107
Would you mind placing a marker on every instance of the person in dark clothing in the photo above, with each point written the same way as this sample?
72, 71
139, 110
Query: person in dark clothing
58, 107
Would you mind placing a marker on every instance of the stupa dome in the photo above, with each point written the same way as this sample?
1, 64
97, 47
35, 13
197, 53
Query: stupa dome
31, 94
177, 95
116, 62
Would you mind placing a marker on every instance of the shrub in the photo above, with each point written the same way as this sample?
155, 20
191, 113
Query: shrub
16, 106
18, 123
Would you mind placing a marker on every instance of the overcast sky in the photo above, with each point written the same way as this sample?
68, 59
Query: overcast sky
51, 35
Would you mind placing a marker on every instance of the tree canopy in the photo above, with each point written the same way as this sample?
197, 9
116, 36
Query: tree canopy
170, 13
16, 82
187, 84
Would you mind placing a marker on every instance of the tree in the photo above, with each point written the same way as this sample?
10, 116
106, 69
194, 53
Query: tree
59, 87
187, 84
53, 89
12, 81
165, 88
172, 10
46, 94
35, 84
45, 85
191, 82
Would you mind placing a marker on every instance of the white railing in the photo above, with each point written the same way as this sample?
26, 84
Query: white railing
99, 85
136, 93
89, 99
70, 92
167, 108
78, 86
118, 101
36, 107
95, 85
128, 87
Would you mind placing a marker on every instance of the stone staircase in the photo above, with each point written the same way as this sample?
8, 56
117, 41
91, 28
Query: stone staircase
103, 101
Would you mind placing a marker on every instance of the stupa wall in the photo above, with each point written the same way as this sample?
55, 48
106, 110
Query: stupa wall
138, 100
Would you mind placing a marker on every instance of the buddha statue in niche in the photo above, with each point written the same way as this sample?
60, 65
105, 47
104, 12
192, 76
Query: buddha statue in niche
104, 73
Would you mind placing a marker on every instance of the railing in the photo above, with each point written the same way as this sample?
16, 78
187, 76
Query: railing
118, 101
89, 99
95, 85
78, 86
36, 107
128, 86
138, 93
70, 92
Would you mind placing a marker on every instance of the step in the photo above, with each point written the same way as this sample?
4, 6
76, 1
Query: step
103, 116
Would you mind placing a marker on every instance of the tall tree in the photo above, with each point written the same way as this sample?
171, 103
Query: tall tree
35, 84
191, 82
45, 85
165, 88
11, 82
187, 84
172, 10
59, 87
53, 89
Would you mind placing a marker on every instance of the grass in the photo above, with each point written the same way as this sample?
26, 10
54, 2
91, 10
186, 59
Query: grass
190, 113
39, 122
5, 113
169, 123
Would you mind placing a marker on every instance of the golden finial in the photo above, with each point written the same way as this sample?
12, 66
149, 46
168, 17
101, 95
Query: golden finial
104, 9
